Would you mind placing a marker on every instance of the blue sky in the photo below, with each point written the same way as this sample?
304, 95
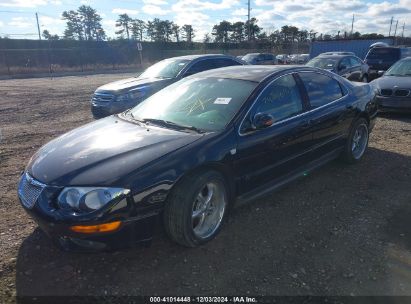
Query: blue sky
17, 17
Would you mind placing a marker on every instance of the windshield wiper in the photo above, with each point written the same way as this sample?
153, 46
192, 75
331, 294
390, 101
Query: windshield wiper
133, 118
173, 125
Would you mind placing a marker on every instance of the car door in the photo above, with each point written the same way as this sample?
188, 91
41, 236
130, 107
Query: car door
264, 155
330, 115
356, 69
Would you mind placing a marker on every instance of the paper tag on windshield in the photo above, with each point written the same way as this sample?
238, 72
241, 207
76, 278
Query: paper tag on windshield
221, 100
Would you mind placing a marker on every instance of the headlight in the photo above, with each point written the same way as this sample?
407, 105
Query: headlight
136, 94
88, 198
132, 95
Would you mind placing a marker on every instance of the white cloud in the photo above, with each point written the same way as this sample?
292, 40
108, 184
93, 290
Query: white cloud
125, 11
23, 3
330, 16
240, 12
154, 10
197, 5
45, 21
21, 22
155, 2
109, 26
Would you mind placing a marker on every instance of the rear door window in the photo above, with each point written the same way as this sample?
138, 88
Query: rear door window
321, 89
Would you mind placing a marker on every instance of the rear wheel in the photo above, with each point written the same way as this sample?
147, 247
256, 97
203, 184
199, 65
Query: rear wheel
357, 141
196, 208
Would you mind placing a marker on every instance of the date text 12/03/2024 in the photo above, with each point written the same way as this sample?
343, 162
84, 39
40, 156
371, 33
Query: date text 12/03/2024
238, 299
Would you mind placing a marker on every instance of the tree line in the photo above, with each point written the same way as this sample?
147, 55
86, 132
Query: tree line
84, 24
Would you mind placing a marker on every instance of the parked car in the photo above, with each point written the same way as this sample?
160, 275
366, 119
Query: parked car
348, 66
121, 95
283, 59
394, 87
299, 58
260, 58
193, 150
380, 59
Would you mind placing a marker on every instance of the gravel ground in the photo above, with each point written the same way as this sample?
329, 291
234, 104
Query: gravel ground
342, 230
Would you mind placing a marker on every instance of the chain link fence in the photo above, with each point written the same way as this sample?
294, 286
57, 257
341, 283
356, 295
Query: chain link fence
51, 58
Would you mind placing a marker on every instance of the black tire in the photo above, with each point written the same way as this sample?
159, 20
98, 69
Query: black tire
349, 155
364, 78
178, 212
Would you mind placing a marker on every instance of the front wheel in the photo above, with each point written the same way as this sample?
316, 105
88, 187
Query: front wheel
357, 142
195, 210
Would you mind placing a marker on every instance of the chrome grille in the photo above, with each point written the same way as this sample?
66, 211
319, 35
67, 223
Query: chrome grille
102, 97
401, 92
29, 190
386, 92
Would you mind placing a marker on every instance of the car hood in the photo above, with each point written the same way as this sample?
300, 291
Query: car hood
102, 152
388, 82
131, 83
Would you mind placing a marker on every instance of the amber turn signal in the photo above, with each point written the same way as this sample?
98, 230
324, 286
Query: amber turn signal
107, 227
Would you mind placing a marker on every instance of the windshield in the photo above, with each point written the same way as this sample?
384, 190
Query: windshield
207, 104
386, 54
165, 69
401, 68
322, 63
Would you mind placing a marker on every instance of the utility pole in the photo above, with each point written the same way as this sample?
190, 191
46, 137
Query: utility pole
352, 25
403, 27
396, 25
389, 33
395, 34
249, 26
38, 25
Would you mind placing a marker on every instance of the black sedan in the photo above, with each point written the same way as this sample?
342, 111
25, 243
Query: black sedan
190, 152
342, 63
394, 88
118, 96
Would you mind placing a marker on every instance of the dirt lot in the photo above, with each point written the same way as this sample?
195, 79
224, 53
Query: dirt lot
343, 230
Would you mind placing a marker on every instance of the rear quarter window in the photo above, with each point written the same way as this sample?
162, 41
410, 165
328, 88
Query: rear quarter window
321, 89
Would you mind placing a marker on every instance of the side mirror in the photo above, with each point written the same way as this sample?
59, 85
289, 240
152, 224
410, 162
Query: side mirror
261, 121
380, 73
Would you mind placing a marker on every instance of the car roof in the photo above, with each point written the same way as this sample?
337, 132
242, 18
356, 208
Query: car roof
202, 56
255, 73
339, 56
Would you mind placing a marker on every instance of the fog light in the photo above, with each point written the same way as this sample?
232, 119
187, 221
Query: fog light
107, 227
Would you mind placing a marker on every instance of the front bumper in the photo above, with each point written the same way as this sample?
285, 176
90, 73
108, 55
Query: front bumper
394, 104
137, 227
